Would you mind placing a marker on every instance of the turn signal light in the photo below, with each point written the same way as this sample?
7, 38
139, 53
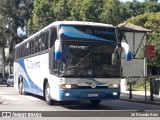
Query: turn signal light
69, 86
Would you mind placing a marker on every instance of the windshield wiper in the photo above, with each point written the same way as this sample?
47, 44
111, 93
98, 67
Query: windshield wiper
84, 58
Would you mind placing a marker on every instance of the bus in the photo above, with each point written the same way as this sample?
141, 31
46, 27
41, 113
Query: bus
70, 60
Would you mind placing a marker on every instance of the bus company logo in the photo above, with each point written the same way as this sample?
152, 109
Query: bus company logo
6, 114
33, 64
93, 85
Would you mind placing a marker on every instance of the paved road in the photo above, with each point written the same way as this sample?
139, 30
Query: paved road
12, 101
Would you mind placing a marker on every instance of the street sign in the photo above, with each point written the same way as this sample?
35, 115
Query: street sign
150, 51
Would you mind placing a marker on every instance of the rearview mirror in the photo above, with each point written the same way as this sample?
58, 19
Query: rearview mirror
127, 51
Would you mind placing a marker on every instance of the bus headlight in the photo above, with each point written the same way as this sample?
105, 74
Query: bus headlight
114, 86
69, 86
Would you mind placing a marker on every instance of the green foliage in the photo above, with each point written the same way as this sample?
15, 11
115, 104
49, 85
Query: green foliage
36, 14
139, 85
152, 22
42, 14
45, 12
14, 14
106, 11
90, 10
75, 7
110, 13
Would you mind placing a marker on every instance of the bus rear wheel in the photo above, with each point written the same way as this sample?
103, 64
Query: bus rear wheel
95, 102
48, 99
21, 88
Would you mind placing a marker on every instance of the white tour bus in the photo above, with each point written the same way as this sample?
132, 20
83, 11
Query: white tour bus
70, 60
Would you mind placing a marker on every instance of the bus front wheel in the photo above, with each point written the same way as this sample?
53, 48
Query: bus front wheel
48, 99
95, 102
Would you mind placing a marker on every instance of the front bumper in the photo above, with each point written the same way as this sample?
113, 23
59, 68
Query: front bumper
88, 94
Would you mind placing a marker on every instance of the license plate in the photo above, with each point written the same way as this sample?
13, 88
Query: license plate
93, 95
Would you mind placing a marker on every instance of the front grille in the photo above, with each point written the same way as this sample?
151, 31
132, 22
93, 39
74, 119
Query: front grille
89, 87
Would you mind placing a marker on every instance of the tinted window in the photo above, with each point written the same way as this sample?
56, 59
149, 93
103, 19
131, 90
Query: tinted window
53, 36
46, 39
95, 33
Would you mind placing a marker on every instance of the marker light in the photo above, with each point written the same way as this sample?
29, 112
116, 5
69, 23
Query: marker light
69, 86
67, 94
114, 86
115, 93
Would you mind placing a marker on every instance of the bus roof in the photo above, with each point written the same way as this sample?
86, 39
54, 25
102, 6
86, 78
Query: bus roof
58, 23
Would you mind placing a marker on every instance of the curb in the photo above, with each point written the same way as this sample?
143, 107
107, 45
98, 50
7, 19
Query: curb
138, 101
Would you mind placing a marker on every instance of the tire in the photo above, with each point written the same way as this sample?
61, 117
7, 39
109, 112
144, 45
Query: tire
8, 85
95, 102
48, 99
21, 88
3, 82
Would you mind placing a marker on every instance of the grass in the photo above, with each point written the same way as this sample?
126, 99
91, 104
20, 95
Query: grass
140, 86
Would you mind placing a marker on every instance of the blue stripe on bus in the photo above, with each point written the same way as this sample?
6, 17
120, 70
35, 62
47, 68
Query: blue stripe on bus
32, 88
78, 34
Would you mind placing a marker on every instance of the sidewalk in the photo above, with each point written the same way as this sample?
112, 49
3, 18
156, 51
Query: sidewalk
139, 96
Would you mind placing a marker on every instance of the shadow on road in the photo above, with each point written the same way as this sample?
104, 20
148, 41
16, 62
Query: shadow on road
84, 105
76, 105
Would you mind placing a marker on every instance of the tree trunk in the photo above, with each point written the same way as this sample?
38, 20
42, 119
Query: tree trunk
4, 60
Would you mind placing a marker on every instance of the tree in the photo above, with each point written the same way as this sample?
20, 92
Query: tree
61, 10
90, 10
111, 12
75, 7
151, 7
42, 15
16, 13
3, 42
151, 0
152, 22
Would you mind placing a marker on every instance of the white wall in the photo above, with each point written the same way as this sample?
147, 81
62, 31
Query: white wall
135, 67
134, 40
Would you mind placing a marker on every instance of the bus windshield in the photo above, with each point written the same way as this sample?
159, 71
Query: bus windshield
90, 60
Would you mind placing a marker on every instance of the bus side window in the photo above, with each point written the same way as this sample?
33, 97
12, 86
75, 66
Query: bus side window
36, 44
43, 41
15, 55
32, 46
53, 36
39, 43
28, 48
18, 52
22, 50
25, 49
46, 39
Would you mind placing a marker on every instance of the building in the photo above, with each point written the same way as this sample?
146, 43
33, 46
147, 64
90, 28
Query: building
136, 37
